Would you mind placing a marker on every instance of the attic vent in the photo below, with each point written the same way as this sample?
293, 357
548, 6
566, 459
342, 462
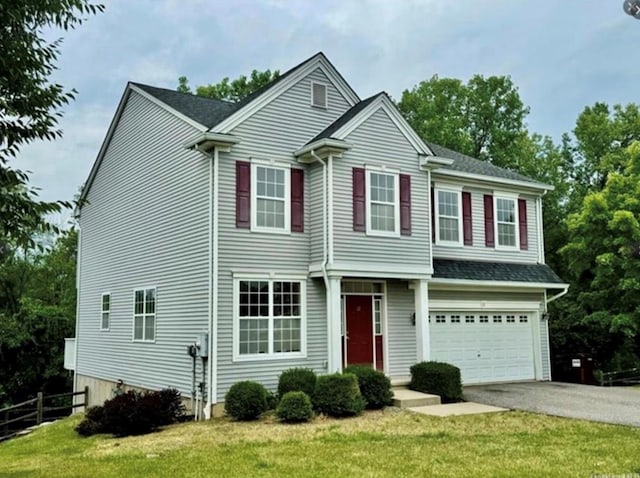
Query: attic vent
318, 95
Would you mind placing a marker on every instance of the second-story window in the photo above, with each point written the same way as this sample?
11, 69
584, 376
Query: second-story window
383, 203
506, 222
448, 217
270, 199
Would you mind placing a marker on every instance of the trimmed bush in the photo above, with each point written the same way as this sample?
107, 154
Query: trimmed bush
437, 378
297, 380
272, 400
375, 386
246, 400
294, 407
338, 395
133, 413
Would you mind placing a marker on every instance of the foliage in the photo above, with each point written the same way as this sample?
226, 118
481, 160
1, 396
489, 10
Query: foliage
483, 118
297, 379
603, 254
37, 311
272, 400
231, 90
438, 378
294, 407
375, 386
133, 413
338, 395
246, 400
30, 105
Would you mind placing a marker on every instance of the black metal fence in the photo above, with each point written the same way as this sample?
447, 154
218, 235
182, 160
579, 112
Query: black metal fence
19, 417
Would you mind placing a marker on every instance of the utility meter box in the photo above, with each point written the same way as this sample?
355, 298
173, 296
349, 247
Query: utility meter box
203, 344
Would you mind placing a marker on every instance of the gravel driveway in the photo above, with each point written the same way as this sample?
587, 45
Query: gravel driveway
619, 405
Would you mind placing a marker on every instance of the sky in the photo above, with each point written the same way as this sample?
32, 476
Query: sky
562, 54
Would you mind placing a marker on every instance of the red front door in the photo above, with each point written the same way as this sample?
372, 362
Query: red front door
359, 317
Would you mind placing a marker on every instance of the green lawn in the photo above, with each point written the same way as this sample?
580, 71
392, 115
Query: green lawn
386, 443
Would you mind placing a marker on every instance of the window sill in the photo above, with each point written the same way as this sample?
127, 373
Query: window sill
269, 357
507, 248
266, 230
383, 234
140, 341
104, 330
449, 244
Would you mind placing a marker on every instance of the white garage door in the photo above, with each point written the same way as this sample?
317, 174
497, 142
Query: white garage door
486, 346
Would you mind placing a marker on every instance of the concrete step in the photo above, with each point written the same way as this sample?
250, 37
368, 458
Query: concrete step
405, 398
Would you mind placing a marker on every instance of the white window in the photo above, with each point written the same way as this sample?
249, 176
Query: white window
144, 314
449, 217
105, 311
506, 223
377, 316
270, 315
270, 198
319, 95
383, 199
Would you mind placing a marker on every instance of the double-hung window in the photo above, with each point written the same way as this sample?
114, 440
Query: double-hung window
144, 314
271, 198
506, 222
383, 201
105, 311
449, 216
270, 315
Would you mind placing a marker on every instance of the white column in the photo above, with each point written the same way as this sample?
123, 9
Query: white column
421, 294
334, 332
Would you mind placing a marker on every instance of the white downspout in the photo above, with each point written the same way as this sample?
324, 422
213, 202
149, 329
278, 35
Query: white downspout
325, 248
554, 297
78, 278
329, 211
212, 326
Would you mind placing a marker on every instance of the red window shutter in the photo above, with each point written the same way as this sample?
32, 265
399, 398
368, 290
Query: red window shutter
433, 215
297, 200
243, 194
359, 199
522, 218
467, 225
405, 204
489, 239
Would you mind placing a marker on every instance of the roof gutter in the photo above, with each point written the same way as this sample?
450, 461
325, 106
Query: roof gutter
493, 283
494, 179
327, 145
208, 140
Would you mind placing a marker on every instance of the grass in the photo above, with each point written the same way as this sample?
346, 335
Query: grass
382, 443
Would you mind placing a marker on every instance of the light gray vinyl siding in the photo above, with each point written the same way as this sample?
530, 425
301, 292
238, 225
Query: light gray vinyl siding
378, 142
401, 339
274, 132
479, 251
316, 209
455, 295
145, 225
544, 349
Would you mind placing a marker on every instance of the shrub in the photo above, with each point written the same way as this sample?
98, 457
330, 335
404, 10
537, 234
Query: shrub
246, 400
272, 400
438, 378
133, 413
375, 386
297, 380
338, 395
294, 407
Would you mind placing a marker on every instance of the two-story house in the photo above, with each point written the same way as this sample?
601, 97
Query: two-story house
300, 227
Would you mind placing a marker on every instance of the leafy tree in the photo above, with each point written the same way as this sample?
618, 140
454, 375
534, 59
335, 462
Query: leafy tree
37, 311
231, 90
30, 105
603, 254
483, 118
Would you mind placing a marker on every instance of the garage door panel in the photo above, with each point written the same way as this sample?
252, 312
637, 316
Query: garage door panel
485, 346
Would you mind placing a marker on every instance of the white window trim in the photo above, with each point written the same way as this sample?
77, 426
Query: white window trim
509, 197
254, 197
144, 317
396, 205
102, 311
326, 95
237, 357
436, 198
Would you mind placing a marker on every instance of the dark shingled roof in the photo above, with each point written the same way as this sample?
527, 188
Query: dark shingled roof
206, 111
467, 164
345, 118
494, 271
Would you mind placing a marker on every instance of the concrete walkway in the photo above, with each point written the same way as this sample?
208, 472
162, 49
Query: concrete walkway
462, 408
619, 405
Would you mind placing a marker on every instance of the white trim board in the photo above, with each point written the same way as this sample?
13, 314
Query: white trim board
496, 284
480, 305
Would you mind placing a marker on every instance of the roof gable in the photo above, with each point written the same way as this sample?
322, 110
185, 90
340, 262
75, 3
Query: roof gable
362, 111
